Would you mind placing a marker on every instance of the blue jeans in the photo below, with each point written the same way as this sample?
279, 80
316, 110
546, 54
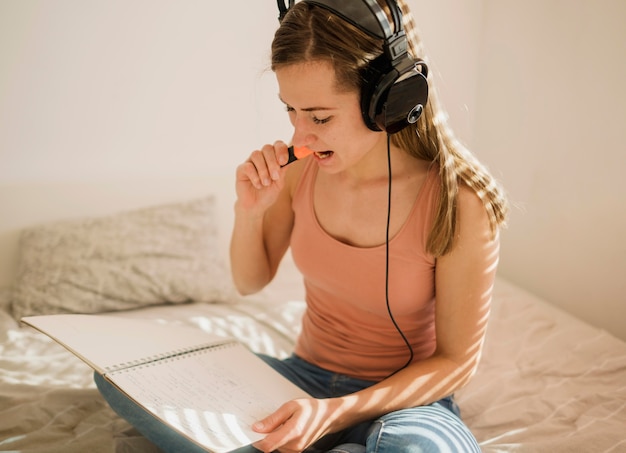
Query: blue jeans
433, 428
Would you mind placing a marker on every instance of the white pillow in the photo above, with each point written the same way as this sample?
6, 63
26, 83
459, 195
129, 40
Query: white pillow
161, 254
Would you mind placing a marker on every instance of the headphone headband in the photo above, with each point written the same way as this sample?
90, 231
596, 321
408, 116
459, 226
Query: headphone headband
371, 17
282, 8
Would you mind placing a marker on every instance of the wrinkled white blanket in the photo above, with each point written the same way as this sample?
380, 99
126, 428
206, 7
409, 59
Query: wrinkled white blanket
547, 382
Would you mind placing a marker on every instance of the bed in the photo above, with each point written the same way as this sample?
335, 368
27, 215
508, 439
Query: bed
547, 382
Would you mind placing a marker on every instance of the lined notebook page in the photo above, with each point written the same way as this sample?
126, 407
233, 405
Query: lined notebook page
108, 342
212, 396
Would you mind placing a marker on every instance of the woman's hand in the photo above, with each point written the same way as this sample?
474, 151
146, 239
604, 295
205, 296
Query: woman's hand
260, 179
263, 218
297, 424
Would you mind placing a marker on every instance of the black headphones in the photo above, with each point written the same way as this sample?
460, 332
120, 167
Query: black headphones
395, 90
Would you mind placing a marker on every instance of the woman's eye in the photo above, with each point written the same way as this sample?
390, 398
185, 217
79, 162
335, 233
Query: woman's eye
317, 120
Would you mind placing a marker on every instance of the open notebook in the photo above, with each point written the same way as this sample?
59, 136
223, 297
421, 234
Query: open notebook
209, 388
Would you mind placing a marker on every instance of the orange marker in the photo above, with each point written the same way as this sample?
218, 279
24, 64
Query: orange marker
297, 152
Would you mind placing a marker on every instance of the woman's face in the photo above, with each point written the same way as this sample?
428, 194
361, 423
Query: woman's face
326, 119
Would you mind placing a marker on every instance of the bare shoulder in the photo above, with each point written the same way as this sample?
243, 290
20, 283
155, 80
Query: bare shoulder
471, 263
471, 211
473, 234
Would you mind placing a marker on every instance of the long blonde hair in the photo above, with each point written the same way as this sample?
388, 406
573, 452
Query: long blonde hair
311, 33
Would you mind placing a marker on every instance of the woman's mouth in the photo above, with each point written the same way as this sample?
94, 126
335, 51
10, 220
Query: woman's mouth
323, 154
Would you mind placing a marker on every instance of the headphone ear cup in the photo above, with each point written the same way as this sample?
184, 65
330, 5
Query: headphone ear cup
393, 97
373, 90
405, 101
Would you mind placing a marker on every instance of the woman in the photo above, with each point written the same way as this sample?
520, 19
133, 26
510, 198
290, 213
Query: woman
396, 306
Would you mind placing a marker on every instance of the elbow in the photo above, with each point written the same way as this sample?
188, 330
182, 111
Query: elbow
461, 369
468, 368
466, 374
246, 290
248, 285
461, 375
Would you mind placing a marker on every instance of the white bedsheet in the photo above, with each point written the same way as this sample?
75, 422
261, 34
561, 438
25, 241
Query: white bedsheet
547, 382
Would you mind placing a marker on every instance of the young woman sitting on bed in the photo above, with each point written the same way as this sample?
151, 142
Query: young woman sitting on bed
394, 226
331, 208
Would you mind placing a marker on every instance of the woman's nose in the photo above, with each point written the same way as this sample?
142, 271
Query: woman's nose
302, 134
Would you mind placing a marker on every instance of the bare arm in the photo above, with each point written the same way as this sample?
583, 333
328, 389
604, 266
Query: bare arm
263, 218
464, 280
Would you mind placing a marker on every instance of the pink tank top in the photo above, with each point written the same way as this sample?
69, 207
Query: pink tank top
346, 327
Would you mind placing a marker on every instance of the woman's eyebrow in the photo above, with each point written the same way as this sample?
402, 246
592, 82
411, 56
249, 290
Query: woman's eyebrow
308, 109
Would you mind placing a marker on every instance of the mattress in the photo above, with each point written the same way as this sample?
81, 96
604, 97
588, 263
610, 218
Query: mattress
547, 381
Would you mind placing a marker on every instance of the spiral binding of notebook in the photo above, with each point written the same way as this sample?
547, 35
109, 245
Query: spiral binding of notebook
169, 356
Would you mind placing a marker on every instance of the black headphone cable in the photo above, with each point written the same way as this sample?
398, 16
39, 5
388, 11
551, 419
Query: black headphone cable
393, 320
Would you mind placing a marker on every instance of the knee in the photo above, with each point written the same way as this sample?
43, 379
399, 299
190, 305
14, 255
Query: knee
421, 430
99, 380
348, 448
118, 401
106, 389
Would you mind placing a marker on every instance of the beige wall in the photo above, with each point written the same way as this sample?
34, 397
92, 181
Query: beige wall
552, 125
451, 31
101, 91
93, 89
